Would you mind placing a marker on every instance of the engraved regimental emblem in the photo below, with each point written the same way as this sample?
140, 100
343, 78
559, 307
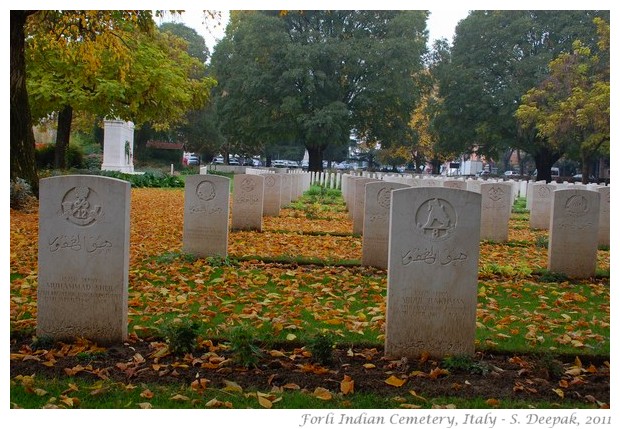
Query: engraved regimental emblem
205, 190
248, 184
383, 197
577, 205
270, 181
81, 206
544, 192
496, 193
436, 219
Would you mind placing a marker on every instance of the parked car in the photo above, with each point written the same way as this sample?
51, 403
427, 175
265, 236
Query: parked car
578, 178
510, 173
193, 160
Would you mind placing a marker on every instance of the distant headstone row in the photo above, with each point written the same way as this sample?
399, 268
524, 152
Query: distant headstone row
496, 202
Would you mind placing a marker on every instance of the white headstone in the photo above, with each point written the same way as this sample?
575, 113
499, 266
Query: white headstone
83, 258
496, 208
273, 194
540, 210
432, 272
573, 236
377, 223
207, 208
603, 223
455, 184
359, 195
285, 195
248, 197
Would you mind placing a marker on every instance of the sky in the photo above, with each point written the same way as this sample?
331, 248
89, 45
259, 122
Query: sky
441, 24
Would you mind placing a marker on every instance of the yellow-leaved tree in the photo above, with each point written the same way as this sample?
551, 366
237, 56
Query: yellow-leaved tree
571, 107
113, 64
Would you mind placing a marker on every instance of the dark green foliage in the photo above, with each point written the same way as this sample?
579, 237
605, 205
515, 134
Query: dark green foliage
496, 57
242, 345
147, 180
219, 261
43, 342
464, 363
86, 357
44, 157
319, 74
181, 334
93, 161
542, 241
75, 156
547, 276
321, 345
548, 366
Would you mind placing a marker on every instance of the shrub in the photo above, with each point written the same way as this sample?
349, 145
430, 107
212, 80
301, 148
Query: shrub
321, 346
74, 156
21, 193
181, 334
44, 156
542, 241
93, 161
245, 352
465, 364
43, 342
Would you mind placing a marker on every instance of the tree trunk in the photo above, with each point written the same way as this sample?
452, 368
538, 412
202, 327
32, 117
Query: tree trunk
585, 169
315, 158
436, 164
544, 159
65, 117
22, 137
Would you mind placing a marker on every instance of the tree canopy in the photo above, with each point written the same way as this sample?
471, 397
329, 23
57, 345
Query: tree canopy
109, 63
316, 76
122, 70
571, 107
497, 57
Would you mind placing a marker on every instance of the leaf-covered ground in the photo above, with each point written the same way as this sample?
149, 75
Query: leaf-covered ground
539, 336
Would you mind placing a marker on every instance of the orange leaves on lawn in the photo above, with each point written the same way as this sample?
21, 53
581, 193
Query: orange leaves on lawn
293, 220
147, 394
216, 403
322, 393
312, 368
347, 385
278, 244
395, 381
200, 384
156, 222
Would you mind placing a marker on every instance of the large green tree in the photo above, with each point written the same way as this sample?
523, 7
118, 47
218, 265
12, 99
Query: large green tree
316, 76
497, 56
